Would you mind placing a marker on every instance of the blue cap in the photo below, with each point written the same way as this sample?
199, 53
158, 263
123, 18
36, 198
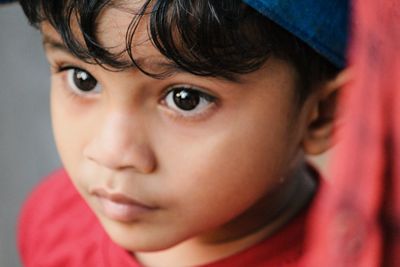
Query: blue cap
322, 24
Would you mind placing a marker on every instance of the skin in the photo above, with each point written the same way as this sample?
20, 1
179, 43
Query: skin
219, 179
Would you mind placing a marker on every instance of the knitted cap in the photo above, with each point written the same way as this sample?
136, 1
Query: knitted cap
322, 24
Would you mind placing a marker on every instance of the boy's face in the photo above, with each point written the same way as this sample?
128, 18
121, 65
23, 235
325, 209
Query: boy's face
162, 161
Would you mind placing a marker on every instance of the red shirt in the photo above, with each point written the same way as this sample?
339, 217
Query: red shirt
58, 229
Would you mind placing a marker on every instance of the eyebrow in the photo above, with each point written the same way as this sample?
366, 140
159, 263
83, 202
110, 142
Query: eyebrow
169, 69
50, 43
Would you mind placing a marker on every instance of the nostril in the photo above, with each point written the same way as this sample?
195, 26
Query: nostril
148, 164
137, 157
104, 157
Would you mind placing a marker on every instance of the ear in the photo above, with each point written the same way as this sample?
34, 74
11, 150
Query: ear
320, 123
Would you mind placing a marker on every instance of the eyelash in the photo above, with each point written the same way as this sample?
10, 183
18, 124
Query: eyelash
62, 68
212, 101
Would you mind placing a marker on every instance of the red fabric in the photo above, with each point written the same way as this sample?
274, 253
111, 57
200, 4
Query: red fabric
357, 222
57, 229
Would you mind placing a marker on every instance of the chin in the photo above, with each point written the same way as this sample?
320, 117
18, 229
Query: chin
135, 245
139, 240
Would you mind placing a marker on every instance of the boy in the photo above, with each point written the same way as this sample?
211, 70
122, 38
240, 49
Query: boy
183, 127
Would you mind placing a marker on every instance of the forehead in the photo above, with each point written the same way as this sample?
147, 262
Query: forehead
112, 27
114, 23
151, 59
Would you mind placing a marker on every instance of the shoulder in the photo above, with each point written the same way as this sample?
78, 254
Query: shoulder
55, 221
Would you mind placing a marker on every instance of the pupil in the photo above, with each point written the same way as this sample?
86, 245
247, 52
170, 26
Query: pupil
84, 81
186, 99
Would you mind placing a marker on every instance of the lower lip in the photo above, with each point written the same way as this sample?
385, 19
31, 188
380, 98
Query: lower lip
120, 211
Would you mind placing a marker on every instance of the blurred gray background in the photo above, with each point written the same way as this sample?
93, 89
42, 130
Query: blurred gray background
27, 151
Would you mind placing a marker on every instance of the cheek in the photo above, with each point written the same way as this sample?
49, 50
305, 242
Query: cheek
220, 174
70, 121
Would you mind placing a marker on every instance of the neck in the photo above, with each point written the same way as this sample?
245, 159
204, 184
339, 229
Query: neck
246, 230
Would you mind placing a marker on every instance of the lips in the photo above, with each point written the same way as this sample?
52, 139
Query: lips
119, 207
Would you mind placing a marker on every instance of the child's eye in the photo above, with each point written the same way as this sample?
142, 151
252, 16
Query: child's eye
81, 81
188, 101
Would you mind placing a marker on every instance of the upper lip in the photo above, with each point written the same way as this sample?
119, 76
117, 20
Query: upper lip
119, 198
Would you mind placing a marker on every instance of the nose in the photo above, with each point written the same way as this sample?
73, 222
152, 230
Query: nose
121, 143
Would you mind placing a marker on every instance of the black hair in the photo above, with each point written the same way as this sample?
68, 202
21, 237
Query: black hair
218, 38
